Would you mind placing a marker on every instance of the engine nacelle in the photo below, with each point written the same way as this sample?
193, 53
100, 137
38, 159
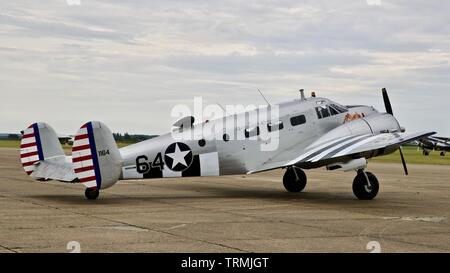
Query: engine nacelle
373, 124
383, 123
351, 165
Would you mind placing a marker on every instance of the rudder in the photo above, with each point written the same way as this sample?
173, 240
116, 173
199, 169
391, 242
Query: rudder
96, 158
39, 142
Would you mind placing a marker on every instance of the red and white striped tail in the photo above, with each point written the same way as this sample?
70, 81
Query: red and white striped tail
39, 143
95, 156
83, 153
31, 148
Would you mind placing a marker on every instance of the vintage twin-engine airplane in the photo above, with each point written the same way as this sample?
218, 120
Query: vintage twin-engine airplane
311, 133
434, 143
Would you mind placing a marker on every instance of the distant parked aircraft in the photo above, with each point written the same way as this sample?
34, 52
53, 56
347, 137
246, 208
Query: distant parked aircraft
432, 143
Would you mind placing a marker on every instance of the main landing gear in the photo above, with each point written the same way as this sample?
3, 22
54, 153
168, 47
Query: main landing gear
294, 180
91, 194
365, 185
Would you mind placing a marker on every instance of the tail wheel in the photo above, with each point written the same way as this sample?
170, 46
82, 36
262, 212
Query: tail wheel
91, 193
365, 186
294, 180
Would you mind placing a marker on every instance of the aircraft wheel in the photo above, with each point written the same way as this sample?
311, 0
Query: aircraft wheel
294, 180
442, 153
426, 153
91, 194
363, 189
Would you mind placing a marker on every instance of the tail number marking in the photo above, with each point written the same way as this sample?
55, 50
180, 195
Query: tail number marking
103, 153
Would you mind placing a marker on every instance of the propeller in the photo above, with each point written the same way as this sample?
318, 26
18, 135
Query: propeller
388, 106
403, 160
387, 102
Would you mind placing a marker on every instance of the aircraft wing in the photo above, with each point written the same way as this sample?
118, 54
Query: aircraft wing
54, 170
347, 147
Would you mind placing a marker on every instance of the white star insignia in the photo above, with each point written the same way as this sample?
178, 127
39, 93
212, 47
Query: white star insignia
178, 157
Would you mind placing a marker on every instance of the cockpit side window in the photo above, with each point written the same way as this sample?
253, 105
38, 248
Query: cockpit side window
324, 111
319, 114
333, 111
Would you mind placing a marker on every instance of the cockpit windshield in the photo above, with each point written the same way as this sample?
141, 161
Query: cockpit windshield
338, 108
324, 111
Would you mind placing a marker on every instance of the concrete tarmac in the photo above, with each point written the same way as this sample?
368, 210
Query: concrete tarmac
228, 214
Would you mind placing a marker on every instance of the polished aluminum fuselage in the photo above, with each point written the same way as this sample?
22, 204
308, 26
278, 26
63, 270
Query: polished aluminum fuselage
241, 155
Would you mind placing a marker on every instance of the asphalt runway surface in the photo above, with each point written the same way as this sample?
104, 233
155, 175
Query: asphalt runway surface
228, 214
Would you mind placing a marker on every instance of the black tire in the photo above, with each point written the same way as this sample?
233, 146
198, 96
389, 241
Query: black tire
363, 191
442, 153
91, 194
290, 181
426, 153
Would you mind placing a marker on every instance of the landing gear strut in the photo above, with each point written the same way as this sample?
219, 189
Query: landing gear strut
365, 185
91, 194
294, 180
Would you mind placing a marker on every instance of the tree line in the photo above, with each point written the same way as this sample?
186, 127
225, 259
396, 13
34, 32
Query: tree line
126, 137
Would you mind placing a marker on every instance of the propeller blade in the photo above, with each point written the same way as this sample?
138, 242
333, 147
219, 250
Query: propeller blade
387, 102
403, 161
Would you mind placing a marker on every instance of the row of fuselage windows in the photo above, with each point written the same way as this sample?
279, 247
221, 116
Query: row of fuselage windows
272, 127
322, 112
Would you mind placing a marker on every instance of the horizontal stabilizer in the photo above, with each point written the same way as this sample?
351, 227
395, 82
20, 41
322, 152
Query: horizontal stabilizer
55, 170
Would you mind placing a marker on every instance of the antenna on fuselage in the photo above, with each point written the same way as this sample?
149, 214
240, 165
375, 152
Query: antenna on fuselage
268, 103
302, 95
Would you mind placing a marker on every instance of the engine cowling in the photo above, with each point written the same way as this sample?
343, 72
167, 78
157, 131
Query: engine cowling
373, 124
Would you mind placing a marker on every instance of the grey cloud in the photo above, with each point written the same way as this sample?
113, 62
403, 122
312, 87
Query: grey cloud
128, 62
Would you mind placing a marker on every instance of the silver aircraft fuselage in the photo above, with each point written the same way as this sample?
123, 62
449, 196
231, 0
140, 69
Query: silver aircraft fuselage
232, 151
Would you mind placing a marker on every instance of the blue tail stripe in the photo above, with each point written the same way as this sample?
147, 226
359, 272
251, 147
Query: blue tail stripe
38, 141
98, 175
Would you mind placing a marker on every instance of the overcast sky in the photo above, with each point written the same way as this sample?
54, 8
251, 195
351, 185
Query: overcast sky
127, 63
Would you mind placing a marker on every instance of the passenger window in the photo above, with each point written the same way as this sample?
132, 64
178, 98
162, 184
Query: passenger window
297, 120
252, 132
272, 127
